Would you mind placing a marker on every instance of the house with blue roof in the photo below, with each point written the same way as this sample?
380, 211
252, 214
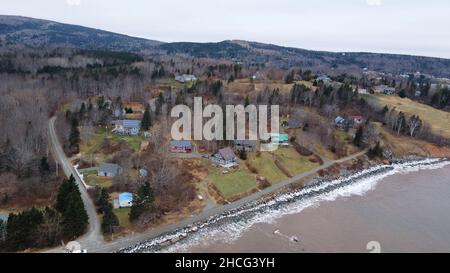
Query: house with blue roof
341, 123
127, 127
125, 200
281, 139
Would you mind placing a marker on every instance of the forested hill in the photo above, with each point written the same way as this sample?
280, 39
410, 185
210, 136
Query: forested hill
43, 33
286, 57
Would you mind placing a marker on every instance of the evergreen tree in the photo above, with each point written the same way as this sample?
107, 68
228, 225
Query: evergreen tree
247, 101
71, 207
143, 202
110, 221
358, 137
75, 218
82, 111
74, 137
22, 230
65, 189
385, 110
44, 167
146, 122
376, 151
159, 103
243, 154
103, 200
2, 233
289, 77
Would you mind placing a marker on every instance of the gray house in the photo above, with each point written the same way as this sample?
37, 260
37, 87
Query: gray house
225, 157
109, 170
292, 124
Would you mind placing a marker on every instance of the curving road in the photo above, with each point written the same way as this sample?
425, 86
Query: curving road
93, 235
93, 241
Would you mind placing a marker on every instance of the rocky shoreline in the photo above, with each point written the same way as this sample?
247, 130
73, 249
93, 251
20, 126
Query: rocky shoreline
317, 187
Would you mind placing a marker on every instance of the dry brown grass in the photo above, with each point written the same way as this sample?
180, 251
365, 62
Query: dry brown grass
437, 119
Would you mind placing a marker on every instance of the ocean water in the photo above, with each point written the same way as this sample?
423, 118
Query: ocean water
399, 208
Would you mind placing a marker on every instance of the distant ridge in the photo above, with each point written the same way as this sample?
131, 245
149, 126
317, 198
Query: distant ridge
39, 33
44, 33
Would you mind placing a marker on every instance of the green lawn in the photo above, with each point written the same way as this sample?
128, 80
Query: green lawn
93, 145
122, 215
294, 162
232, 183
92, 179
342, 136
178, 85
266, 167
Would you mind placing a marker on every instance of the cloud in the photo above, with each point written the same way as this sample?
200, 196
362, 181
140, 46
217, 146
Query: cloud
73, 2
374, 2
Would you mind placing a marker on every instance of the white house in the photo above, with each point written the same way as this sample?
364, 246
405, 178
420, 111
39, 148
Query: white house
384, 89
127, 127
185, 78
323, 78
362, 91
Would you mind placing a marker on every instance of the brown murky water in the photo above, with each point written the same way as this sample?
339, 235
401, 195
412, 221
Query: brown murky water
404, 213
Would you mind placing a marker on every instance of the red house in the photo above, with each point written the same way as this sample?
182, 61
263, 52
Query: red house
181, 146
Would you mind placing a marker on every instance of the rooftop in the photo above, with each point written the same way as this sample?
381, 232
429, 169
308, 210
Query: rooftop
181, 143
227, 153
125, 197
109, 168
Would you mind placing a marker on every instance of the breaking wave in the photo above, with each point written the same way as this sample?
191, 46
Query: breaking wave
229, 226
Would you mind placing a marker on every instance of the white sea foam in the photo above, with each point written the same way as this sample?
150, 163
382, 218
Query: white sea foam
229, 226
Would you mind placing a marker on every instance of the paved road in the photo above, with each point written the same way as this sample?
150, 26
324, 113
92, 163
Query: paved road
93, 235
93, 241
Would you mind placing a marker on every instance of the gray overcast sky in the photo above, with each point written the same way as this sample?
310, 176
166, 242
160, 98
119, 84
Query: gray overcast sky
394, 26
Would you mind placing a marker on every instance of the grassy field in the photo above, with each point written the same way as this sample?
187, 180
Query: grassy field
122, 215
232, 183
265, 165
438, 120
93, 145
178, 85
343, 136
294, 162
92, 179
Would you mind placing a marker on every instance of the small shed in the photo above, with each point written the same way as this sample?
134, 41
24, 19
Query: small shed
125, 200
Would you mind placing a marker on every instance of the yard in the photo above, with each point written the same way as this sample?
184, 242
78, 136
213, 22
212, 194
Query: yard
93, 145
232, 183
294, 162
91, 178
122, 215
265, 165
